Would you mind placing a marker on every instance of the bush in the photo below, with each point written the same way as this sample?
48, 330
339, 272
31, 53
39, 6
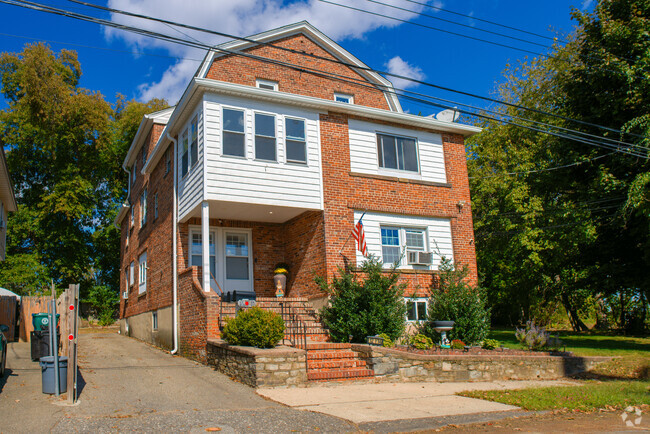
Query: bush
421, 342
254, 327
364, 307
533, 337
388, 342
103, 304
457, 301
490, 344
457, 344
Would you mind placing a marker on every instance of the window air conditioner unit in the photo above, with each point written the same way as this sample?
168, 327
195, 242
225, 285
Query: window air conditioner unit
125, 295
420, 258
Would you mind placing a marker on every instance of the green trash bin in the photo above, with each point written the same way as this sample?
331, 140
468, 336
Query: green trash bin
41, 321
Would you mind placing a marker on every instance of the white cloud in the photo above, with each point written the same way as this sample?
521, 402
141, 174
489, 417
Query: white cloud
237, 17
586, 4
398, 66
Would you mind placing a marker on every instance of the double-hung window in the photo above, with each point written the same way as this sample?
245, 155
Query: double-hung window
133, 170
265, 137
132, 215
196, 258
397, 153
194, 142
155, 206
233, 133
142, 277
144, 155
168, 161
143, 207
131, 273
397, 240
295, 140
416, 309
184, 154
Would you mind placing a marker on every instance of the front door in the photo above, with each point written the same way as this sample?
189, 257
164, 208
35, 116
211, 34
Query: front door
237, 263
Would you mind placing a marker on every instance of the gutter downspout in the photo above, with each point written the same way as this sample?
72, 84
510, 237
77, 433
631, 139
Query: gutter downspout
174, 252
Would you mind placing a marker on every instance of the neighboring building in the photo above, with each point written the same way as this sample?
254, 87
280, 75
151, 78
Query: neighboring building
7, 203
263, 163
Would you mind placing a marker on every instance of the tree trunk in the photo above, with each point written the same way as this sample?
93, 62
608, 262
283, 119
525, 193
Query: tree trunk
574, 318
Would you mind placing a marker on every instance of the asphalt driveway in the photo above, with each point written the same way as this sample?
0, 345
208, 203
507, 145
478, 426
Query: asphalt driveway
127, 385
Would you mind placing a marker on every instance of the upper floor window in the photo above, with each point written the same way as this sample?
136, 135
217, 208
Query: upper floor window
131, 273
155, 206
265, 137
132, 216
342, 97
144, 155
133, 170
295, 142
168, 160
266, 84
233, 133
194, 142
398, 153
143, 207
184, 154
142, 277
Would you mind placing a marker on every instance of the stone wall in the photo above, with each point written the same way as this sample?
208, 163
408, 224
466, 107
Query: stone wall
274, 367
392, 365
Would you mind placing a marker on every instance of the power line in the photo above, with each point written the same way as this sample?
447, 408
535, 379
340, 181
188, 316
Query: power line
305, 69
364, 68
484, 20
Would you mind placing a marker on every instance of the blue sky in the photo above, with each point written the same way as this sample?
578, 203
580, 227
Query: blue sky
114, 61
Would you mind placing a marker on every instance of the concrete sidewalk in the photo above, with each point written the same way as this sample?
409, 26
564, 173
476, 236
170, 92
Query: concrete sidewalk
371, 403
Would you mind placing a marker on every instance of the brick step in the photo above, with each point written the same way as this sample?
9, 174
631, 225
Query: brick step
328, 346
331, 355
283, 299
331, 364
341, 374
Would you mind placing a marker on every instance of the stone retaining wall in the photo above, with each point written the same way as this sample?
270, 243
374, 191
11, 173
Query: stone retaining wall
274, 367
392, 366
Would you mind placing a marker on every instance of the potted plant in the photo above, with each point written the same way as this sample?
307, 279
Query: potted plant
280, 279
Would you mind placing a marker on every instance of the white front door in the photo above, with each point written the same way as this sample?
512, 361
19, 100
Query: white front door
231, 258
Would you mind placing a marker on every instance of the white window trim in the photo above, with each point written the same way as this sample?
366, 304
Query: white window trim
275, 131
403, 264
350, 98
142, 273
131, 273
132, 216
134, 171
417, 300
400, 172
190, 163
143, 208
259, 82
286, 137
154, 320
223, 130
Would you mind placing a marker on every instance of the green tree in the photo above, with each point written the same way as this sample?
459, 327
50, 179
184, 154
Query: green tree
558, 221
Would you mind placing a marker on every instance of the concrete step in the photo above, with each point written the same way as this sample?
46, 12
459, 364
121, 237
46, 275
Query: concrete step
341, 374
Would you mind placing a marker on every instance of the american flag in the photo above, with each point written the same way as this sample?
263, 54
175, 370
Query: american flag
360, 236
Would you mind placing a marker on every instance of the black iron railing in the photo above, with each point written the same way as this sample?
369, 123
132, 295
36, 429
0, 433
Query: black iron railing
295, 330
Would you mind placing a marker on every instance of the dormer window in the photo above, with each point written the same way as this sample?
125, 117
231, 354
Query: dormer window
266, 84
344, 98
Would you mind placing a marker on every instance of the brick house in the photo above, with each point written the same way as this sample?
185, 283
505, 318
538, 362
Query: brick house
261, 163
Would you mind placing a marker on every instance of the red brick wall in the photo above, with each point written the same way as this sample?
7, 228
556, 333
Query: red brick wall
344, 192
242, 70
193, 315
155, 237
305, 252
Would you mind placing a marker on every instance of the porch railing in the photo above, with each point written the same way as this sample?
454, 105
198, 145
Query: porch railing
295, 330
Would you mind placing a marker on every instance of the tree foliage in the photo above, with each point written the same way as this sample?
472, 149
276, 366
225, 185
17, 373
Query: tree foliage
558, 221
64, 146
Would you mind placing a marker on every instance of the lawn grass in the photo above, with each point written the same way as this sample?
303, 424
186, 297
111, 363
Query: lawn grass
586, 344
591, 396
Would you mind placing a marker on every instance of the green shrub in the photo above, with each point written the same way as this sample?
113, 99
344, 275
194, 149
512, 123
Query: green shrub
361, 307
421, 342
490, 344
254, 327
388, 342
457, 344
456, 301
103, 302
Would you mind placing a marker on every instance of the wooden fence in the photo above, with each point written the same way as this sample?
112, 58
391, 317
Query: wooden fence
8, 313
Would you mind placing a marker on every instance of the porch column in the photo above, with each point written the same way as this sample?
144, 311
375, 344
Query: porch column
205, 244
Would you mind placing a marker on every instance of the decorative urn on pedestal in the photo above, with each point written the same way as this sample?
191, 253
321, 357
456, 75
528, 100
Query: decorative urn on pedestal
280, 279
443, 327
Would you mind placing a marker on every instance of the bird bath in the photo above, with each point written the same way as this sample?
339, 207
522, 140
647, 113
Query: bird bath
443, 327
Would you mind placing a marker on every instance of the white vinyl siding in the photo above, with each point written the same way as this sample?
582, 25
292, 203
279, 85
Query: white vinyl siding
406, 228
190, 187
364, 156
255, 181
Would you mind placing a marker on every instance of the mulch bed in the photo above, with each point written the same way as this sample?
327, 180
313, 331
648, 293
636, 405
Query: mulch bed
478, 351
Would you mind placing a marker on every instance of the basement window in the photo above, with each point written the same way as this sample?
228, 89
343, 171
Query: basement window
154, 320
